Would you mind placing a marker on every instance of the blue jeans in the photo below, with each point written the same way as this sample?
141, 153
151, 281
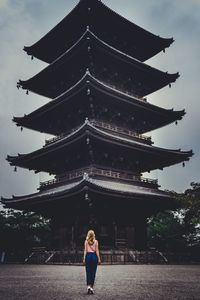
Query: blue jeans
91, 262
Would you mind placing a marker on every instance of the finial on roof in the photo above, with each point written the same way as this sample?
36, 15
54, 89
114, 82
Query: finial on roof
87, 71
85, 176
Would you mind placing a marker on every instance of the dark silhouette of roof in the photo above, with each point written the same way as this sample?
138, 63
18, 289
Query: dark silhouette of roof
104, 22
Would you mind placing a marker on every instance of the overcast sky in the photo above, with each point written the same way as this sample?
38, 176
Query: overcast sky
23, 22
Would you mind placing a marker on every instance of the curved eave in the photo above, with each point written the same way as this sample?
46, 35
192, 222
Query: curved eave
61, 37
166, 157
104, 187
33, 119
146, 78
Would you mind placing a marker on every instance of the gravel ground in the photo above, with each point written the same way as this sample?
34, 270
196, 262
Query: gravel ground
58, 282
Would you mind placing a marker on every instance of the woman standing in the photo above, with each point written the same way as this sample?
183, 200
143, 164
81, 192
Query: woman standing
91, 258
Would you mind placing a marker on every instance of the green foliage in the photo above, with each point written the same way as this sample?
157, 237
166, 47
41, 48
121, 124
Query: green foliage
191, 202
165, 232
20, 230
179, 229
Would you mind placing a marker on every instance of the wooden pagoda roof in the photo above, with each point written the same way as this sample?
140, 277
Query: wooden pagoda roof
106, 63
66, 108
61, 155
104, 22
75, 191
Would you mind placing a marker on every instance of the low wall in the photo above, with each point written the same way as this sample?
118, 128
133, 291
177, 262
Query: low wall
114, 256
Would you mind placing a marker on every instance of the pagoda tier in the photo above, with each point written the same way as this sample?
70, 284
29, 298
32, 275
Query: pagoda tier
86, 192
99, 147
95, 100
116, 210
105, 63
111, 27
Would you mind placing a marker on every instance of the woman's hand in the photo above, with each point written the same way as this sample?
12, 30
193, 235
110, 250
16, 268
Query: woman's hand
84, 261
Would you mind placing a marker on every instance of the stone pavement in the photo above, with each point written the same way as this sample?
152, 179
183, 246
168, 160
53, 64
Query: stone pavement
126, 282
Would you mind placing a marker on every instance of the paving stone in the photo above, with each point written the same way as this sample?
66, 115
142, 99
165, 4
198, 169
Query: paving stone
125, 282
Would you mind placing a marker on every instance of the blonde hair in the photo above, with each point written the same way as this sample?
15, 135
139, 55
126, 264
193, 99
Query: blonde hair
90, 238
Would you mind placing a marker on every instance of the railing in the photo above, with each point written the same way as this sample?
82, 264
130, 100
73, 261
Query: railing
110, 127
96, 171
121, 130
112, 256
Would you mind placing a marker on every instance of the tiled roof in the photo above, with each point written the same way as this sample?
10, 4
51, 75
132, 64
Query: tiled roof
41, 118
113, 30
104, 185
66, 68
127, 188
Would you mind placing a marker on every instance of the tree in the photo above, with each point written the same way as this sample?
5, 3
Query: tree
166, 232
22, 230
180, 228
190, 202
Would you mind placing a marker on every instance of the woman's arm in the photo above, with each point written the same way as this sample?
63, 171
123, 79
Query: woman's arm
97, 252
85, 251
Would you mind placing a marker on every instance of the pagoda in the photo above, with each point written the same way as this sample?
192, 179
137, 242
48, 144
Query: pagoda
98, 83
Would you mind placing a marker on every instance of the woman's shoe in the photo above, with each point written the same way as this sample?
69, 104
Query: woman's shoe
91, 291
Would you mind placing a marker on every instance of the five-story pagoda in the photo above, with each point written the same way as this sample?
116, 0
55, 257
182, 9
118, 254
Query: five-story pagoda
98, 81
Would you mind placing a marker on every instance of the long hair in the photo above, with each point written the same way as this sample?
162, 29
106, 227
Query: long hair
90, 238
